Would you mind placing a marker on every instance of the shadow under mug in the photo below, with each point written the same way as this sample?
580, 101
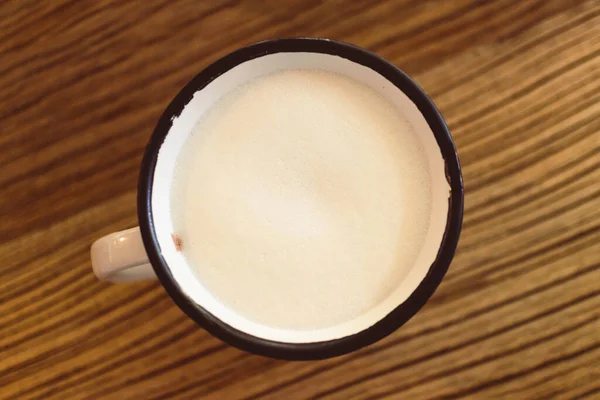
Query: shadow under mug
145, 252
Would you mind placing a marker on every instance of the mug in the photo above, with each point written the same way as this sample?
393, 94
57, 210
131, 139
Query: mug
149, 251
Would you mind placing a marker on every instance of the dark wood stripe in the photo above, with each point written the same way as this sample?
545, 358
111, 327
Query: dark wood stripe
520, 374
21, 287
467, 248
75, 174
480, 133
513, 136
119, 217
82, 316
76, 285
461, 39
20, 25
445, 23
590, 394
536, 385
547, 244
225, 375
536, 197
454, 371
45, 276
479, 151
408, 9
73, 290
156, 372
42, 33
585, 126
522, 92
198, 391
52, 357
526, 225
115, 362
542, 236
34, 102
516, 53
483, 283
537, 58
527, 195
568, 181
57, 382
328, 23
121, 171
70, 155
567, 207
108, 28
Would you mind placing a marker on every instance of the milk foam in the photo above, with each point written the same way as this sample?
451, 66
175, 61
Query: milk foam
302, 199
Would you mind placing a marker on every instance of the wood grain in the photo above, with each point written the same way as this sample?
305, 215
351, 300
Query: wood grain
518, 315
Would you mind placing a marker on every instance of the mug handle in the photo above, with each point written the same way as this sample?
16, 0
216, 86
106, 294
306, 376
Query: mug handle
121, 257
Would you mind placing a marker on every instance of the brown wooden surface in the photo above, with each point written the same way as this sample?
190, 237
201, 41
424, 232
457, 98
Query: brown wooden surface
82, 84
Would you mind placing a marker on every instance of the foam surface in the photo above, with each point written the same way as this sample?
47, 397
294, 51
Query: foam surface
302, 199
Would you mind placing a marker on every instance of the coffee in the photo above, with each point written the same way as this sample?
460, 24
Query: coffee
301, 199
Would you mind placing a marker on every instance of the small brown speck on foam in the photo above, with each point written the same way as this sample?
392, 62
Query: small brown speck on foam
176, 241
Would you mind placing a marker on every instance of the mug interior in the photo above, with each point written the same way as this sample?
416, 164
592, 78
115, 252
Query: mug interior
183, 125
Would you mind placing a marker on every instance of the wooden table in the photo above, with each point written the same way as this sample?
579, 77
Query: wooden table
518, 315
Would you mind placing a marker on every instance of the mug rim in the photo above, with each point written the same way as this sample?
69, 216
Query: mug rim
399, 315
